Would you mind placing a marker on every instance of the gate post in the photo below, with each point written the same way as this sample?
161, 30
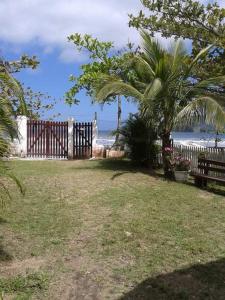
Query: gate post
20, 144
97, 150
70, 138
95, 131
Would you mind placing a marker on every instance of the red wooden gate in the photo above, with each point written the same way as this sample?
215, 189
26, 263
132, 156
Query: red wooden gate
47, 139
82, 137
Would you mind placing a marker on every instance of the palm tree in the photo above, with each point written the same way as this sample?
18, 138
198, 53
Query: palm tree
165, 90
8, 130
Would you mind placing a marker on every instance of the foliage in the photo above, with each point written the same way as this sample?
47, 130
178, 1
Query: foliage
25, 61
140, 139
37, 104
8, 87
203, 154
165, 90
102, 59
202, 23
8, 129
100, 62
27, 285
177, 161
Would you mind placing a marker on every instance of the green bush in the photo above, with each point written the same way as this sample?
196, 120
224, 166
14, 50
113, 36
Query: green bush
139, 138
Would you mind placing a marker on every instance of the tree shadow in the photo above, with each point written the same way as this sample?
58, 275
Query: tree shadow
120, 165
4, 256
199, 282
3, 221
216, 189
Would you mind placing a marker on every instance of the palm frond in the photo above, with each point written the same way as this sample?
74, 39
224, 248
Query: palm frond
14, 87
178, 54
142, 68
153, 89
8, 129
116, 87
202, 109
209, 83
200, 55
153, 51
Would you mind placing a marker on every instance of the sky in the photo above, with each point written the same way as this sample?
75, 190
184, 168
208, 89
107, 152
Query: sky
41, 27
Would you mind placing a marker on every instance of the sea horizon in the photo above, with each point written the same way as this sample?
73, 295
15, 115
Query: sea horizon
198, 139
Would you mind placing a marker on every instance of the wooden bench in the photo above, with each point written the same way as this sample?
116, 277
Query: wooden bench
205, 166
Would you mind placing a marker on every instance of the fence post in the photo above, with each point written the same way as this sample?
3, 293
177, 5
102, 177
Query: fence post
95, 132
70, 138
20, 144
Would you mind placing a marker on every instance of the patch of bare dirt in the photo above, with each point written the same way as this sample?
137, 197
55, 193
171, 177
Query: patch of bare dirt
86, 278
22, 267
205, 195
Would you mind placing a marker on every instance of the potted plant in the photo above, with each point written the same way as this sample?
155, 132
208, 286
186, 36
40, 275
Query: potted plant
181, 168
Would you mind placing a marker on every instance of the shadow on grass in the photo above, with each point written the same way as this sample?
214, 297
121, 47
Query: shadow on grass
216, 189
125, 166
3, 221
206, 281
4, 256
121, 166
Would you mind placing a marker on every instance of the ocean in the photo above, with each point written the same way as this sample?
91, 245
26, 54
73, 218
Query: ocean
200, 139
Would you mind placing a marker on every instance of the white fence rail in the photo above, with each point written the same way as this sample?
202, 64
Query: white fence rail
192, 153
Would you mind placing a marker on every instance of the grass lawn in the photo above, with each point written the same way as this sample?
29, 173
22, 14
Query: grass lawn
103, 230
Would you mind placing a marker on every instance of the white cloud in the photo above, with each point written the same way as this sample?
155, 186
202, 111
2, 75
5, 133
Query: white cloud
49, 22
221, 3
70, 54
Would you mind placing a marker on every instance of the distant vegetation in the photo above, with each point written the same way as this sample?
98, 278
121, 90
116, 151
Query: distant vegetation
167, 84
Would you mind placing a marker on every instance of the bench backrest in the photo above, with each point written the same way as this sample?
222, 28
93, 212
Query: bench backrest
206, 165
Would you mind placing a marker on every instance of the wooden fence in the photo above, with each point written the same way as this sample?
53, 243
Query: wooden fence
47, 139
82, 140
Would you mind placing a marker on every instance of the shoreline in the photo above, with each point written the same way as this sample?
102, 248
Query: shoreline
183, 141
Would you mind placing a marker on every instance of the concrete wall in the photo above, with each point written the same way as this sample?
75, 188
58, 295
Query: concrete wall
19, 147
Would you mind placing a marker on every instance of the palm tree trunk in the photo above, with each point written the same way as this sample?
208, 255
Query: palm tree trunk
166, 145
216, 140
119, 120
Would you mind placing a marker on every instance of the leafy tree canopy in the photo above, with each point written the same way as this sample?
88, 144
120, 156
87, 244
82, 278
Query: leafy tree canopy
102, 59
37, 103
188, 19
166, 92
25, 61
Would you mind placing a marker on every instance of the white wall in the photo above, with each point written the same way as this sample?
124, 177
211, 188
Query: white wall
20, 144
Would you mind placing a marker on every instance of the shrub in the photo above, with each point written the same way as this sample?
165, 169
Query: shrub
139, 138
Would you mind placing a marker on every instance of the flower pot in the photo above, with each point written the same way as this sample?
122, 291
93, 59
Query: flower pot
181, 176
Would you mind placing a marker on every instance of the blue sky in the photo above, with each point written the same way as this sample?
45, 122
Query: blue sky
41, 27
52, 78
